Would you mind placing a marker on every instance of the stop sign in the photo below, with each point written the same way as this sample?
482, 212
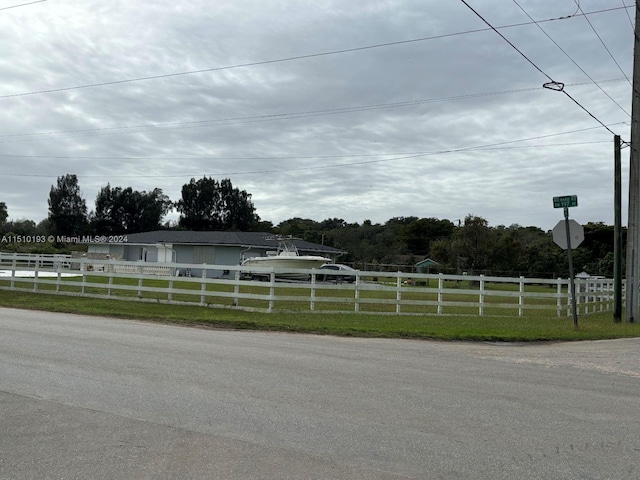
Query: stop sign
576, 232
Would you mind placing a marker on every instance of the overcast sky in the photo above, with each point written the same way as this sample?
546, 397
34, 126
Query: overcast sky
356, 109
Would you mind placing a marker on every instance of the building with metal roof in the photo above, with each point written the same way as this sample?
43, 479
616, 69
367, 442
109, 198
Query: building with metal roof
198, 247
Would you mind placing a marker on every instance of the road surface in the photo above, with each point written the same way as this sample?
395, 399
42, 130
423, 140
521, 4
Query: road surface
98, 398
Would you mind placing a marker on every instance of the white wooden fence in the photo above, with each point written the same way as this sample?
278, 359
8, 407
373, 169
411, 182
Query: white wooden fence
372, 292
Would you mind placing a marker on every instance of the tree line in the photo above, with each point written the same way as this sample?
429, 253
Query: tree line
471, 246
206, 204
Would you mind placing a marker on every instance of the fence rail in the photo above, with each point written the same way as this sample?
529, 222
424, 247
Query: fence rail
226, 286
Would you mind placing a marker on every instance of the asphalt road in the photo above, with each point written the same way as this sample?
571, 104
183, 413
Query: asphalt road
98, 398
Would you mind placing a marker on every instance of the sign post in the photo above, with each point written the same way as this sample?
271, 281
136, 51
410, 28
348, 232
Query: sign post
565, 203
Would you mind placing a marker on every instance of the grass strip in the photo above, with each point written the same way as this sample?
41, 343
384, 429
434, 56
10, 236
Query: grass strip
455, 327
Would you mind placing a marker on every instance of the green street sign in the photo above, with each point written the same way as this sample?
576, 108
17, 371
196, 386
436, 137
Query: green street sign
565, 202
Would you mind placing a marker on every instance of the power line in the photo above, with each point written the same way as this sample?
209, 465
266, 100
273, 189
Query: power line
22, 5
628, 16
286, 59
296, 157
274, 116
570, 58
315, 167
574, 13
603, 44
508, 41
242, 65
29, 137
553, 85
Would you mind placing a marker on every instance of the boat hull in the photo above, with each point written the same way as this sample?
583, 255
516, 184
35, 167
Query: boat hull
303, 262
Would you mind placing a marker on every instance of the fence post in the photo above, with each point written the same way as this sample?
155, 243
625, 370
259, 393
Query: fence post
170, 293
586, 298
312, 305
521, 297
440, 288
272, 289
83, 269
111, 270
236, 289
203, 286
140, 274
481, 308
35, 275
58, 277
398, 292
13, 271
356, 305
559, 300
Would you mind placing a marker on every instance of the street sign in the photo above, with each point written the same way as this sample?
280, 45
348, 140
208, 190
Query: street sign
567, 235
576, 233
565, 202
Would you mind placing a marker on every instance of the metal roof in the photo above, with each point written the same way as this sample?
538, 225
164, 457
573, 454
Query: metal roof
241, 239
427, 262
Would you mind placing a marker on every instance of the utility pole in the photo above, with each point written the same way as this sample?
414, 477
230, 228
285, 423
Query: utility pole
617, 231
633, 235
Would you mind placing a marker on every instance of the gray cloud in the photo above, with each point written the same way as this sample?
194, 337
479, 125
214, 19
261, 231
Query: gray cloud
316, 137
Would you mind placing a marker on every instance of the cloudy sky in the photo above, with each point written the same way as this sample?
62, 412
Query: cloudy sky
358, 109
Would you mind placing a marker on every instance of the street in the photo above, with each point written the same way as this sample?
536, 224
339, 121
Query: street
88, 397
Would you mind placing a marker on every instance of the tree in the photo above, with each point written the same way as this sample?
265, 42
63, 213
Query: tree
3, 214
365, 243
237, 211
129, 211
44, 227
419, 234
67, 208
304, 228
21, 227
103, 220
209, 205
442, 252
599, 241
473, 242
333, 223
545, 259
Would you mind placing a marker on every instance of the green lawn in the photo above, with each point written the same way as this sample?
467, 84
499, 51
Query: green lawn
445, 327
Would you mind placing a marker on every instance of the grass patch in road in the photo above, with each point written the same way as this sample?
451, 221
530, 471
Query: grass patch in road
485, 328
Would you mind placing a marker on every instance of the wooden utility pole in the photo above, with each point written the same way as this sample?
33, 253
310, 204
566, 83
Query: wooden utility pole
633, 235
617, 231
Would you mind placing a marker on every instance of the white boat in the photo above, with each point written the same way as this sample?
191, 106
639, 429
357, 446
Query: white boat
286, 257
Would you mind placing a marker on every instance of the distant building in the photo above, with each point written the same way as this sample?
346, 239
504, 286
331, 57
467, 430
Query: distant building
213, 248
425, 265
